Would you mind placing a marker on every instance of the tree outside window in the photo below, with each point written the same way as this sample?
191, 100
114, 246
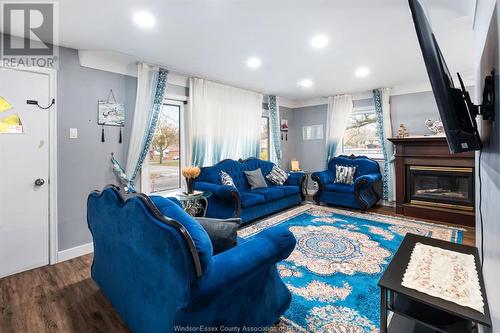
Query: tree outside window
361, 135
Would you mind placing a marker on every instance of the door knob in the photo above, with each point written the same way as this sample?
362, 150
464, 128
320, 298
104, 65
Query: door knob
39, 182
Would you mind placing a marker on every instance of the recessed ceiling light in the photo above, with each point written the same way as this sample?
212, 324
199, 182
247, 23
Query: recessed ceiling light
319, 41
254, 62
362, 72
144, 19
306, 83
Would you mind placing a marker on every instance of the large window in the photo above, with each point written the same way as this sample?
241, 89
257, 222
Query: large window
361, 134
164, 159
264, 138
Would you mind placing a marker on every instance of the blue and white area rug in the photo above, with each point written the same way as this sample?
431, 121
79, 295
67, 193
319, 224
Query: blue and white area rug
339, 258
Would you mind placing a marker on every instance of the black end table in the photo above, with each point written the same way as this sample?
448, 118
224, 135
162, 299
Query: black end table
414, 311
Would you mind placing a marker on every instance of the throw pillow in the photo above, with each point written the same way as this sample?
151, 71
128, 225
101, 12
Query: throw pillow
255, 179
277, 176
226, 179
344, 174
222, 233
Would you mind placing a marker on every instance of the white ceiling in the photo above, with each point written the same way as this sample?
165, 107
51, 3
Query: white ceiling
213, 39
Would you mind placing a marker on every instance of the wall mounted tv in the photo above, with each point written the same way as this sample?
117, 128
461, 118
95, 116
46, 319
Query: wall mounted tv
455, 107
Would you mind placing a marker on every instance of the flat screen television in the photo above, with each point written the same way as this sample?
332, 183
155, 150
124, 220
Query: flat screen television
456, 110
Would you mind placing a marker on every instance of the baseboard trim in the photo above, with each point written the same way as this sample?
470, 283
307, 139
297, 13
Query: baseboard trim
74, 252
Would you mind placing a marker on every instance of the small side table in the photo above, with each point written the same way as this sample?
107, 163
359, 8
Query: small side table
194, 204
414, 311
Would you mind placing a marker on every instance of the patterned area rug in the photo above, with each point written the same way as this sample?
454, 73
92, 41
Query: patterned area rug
339, 258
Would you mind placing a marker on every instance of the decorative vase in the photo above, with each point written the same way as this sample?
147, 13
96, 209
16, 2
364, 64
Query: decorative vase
190, 185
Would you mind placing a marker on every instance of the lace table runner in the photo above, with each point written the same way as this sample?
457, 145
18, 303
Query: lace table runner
441, 273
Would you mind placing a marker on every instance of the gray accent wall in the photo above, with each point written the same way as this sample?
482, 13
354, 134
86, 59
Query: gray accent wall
83, 163
412, 110
489, 162
310, 153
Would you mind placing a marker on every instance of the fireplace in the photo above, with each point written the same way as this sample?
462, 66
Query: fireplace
433, 184
444, 187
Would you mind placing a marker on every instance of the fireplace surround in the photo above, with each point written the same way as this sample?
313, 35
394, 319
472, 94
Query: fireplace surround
433, 184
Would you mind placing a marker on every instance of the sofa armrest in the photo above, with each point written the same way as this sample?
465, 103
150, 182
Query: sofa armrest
295, 178
225, 201
368, 179
222, 191
232, 268
323, 177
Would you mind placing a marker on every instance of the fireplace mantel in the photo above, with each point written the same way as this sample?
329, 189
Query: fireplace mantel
431, 153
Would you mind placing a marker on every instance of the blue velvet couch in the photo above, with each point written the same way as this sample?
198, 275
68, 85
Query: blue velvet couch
359, 195
227, 201
155, 264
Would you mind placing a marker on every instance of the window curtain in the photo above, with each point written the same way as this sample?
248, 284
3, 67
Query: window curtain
339, 110
274, 130
224, 122
151, 87
381, 98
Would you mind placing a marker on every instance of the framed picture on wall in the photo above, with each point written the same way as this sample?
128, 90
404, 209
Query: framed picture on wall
110, 114
284, 125
313, 132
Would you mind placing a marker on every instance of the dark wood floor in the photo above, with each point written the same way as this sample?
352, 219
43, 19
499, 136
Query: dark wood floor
62, 298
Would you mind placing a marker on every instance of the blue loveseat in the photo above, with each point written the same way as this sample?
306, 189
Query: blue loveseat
359, 195
155, 264
227, 201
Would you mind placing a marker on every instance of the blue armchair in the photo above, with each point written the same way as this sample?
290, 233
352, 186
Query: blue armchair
360, 194
241, 201
155, 264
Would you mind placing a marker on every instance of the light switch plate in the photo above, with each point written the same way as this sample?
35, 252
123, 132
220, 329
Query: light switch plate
73, 133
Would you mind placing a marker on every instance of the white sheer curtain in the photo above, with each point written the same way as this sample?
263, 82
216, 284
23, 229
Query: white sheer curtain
224, 122
339, 110
151, 85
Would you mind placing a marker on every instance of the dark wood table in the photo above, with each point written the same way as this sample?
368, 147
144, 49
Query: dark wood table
419, 312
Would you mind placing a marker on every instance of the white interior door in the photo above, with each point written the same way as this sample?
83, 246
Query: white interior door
24, 173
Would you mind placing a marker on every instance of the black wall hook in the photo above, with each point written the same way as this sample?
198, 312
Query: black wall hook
33, 102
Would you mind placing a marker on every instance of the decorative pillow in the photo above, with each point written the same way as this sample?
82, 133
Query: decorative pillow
226, 179
277, 176
255, 179
344, 174
222, 233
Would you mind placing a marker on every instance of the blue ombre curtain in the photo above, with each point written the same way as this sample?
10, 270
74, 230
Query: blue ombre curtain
339, 109
274, 129
151, 88
224, 122
381, 98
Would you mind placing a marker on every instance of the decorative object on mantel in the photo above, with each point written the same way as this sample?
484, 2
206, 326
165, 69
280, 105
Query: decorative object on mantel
435, 126
295, 165
190, 173
403, 132
446, 274
110, 113
284, 128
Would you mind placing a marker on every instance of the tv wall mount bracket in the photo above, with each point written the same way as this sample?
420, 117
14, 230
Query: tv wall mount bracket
487, 106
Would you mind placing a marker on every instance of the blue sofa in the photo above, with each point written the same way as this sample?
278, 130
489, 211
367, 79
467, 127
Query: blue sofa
227, 201
359, 195
155, 264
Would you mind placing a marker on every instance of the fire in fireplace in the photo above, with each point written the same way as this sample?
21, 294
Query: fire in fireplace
446, 187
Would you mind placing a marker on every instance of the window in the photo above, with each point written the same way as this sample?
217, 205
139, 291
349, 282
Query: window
264, 138
164, 158
361, 134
